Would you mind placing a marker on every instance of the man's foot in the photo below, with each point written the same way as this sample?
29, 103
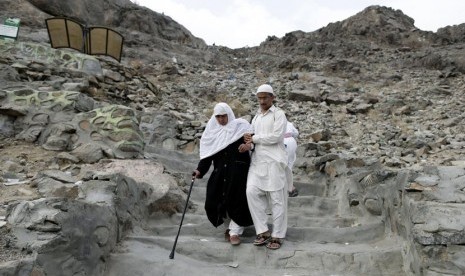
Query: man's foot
294, 193
234, 240
274, 243
262, 238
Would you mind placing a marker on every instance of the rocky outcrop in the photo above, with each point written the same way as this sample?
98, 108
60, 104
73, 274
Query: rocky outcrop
48, 118
452, 34
377, 24
122, 14
80, 218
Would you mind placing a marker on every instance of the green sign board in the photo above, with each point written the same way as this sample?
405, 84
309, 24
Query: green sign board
9, 28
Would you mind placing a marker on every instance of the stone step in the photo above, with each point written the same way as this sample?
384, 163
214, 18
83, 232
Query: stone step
294, 220
316, 204
200, 186
313, 205
358, 233
294, 258
308, 205
198, 193
299, 220
189, 218
366, 232
312, 188
203, 228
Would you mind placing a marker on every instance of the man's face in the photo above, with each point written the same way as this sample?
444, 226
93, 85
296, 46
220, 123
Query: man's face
265, 100
222, 119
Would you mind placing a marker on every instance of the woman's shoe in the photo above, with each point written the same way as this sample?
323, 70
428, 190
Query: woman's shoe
234, 240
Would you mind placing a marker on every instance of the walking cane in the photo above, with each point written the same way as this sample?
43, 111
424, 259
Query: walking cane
182, 218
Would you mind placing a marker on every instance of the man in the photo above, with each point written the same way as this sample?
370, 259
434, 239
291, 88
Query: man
291, 146
226, 199
269, 176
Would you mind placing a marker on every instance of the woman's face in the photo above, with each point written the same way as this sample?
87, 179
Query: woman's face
222, 119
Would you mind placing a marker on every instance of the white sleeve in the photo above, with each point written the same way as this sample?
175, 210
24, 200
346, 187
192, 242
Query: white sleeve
292, 130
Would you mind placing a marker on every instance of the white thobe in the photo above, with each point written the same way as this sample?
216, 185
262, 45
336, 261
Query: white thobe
269, 176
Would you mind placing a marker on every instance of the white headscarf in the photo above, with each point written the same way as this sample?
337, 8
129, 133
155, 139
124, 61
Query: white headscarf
217, 137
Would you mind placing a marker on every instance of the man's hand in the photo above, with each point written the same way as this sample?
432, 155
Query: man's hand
248, 138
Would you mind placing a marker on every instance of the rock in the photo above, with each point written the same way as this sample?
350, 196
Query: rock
312, 95
88, 153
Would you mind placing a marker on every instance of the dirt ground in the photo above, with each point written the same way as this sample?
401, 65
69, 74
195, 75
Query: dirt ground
19, 161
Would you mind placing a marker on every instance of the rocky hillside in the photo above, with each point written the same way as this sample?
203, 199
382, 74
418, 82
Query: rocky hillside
377, 101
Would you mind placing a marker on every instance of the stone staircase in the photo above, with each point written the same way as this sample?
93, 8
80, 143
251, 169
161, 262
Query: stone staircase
322, 239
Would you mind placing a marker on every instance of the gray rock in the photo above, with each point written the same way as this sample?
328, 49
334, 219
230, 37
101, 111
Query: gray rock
88, 153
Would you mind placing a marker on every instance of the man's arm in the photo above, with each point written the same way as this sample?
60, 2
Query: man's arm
277, 133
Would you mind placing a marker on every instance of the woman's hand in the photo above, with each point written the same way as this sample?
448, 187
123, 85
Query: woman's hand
195, 174
245, 147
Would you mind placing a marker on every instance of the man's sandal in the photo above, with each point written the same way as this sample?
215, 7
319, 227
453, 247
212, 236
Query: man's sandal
226, 235
262, 239
274, 243
294, 193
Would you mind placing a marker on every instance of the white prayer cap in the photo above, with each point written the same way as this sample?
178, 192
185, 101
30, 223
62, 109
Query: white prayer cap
265, 88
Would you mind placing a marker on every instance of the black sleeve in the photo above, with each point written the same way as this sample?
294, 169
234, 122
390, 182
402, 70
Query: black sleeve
204, 165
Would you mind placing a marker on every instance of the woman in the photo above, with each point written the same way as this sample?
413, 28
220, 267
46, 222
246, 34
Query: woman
226, 197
